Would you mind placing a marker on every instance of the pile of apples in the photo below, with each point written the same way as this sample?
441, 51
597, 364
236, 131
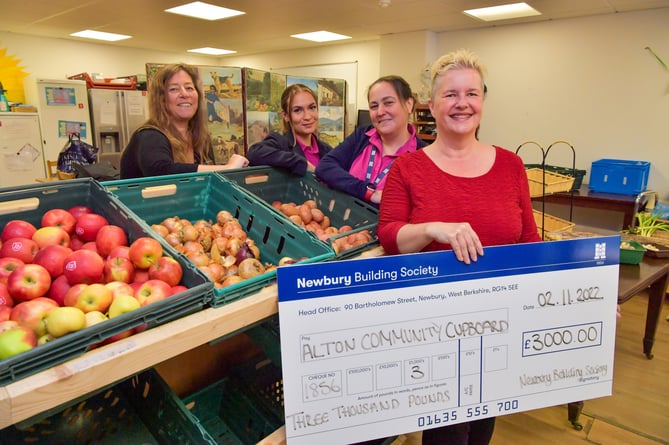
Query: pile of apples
221, 249
309, 216
73, 271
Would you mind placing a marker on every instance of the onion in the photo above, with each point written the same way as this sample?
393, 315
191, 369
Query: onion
243, 253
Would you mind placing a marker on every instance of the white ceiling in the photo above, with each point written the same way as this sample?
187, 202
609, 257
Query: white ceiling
267, 24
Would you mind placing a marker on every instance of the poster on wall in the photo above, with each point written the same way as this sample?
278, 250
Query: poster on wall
222, 90
331, 95
263, 103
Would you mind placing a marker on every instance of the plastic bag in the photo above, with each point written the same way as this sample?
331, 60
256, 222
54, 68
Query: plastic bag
76, 151
101, 171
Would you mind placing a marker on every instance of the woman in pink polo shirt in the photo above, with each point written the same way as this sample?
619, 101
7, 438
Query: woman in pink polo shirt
358, 166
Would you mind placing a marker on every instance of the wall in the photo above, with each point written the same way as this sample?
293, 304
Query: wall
588, 81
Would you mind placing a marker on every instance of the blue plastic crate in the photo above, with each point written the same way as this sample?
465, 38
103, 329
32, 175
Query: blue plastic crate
619, 176
201, 196
30, 203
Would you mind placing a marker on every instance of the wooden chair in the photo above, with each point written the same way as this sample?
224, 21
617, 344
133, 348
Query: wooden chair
52, 169
64, 175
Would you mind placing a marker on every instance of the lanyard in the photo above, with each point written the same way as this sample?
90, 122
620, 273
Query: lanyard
370, 166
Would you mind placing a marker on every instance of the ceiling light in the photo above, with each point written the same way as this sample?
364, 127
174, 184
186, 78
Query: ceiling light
211, 51
503, 12
204, 11
384, 3
99, 35
320, 36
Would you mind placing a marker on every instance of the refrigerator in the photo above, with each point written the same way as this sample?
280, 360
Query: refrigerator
115, 115
21, 149
62, 106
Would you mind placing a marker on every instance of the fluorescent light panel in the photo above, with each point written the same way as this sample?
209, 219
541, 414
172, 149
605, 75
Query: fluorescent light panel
211, 51
503, 12
204, 11
99, 35
320, 36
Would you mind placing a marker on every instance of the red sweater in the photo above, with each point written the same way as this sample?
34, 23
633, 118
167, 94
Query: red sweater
496, 204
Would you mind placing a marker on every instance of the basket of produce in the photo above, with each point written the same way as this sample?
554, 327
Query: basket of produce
631, 252
549, 223
78, 269
234, 238
342, 221
139, 410
543, 182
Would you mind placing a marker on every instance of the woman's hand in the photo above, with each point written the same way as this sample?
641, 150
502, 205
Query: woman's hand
462, 238
237, 161
376, 196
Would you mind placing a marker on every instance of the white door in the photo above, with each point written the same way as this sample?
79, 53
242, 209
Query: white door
20, 149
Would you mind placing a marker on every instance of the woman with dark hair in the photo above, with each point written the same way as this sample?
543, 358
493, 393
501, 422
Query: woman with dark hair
175, 138
358, 166
298, 149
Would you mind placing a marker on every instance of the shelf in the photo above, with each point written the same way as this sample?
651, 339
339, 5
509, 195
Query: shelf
423, 121
109, 364
106, 365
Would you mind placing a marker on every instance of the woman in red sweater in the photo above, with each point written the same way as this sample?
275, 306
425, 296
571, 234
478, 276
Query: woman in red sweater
457, 193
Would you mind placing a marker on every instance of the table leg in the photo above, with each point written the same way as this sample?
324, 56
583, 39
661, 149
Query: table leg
656, 293
573, 413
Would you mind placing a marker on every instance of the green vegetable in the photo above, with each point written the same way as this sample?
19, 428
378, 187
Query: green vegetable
647, 224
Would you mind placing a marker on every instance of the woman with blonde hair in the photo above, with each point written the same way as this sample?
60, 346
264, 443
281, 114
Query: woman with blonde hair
457, 194
298, 149
175, 138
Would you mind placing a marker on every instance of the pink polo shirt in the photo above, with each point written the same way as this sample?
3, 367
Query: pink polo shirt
359, 166
311, 151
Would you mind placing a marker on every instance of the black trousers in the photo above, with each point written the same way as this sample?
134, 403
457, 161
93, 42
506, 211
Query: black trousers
477, 432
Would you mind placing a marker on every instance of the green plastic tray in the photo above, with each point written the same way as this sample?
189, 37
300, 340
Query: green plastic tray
140, 410
274, 184
243, 408
201, 196
33, 201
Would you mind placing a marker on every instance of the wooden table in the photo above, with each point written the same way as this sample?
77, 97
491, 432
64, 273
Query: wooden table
651, 274
583, 197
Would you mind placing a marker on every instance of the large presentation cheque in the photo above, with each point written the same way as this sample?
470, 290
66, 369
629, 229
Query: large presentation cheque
383, 346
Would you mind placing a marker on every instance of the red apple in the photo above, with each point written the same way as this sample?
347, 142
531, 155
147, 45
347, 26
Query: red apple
90, 245
119, 269
84, 266
88, 224
52, 257
152, 290
167, 269
110, 237
7, 266
31, 314
50, 235
22, 248
75, 242
28, 282
178, 289
58, 289
72, 294
120, 288
141, 275
59, 218
93, 297
5, 298
8, 324
122, 251
15, 341
17, 228
5, 312
77, 211
145, 251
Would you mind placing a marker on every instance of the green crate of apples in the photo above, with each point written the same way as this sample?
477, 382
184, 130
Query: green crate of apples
77, 270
